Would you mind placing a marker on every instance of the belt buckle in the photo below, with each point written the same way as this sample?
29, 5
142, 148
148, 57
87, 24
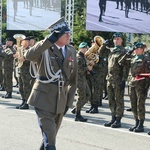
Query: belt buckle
61, 84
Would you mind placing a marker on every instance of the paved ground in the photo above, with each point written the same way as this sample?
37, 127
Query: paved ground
19, 129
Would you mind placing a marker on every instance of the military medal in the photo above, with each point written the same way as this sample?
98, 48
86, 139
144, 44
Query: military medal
70, 60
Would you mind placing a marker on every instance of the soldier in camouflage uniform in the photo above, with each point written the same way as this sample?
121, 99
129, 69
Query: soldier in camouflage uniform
96, 84
7, 67
93, 79
24, 76
82, 85
116, 78
138, 86
1, 76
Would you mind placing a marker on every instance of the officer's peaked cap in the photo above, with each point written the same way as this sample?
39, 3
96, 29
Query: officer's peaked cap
59, 27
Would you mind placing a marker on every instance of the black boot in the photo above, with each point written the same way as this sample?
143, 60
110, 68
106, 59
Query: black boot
100, 102
2, 88
79, 117
73, 110
87, 111
100, 19
108, 124
23, 102
105, 95
8, 95
148, 133
24, 106
140, 127
95, 109
135, 126
50, 148
117, 123
129, 109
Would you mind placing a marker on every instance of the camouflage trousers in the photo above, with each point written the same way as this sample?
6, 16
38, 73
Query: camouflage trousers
116, 99
96, 87
24, 85
84, 94
7, 79
138, 96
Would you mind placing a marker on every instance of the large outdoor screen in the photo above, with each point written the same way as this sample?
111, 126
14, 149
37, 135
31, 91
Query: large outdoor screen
32, 14
116, 19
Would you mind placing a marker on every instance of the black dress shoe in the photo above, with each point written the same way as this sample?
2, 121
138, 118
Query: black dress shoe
148, 133
42, 146
50, 148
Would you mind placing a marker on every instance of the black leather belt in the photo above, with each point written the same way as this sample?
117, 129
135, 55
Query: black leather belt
45, 79
42, 78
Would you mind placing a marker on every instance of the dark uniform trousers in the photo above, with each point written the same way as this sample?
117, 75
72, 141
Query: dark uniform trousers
49, 124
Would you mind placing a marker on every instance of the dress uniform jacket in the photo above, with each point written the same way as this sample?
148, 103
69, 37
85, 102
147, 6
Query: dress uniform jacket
45, 96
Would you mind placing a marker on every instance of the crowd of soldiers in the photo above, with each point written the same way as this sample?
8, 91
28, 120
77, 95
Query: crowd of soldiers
115, 67
12, 61
104, 78
138, 5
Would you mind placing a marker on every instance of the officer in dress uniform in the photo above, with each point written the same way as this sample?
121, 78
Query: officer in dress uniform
54, 89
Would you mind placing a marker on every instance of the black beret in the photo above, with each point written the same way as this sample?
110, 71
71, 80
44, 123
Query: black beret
9, 39
31, 37
27, 38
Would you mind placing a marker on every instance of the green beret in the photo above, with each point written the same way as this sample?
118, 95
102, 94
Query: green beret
138, 45
83, 45
117, 34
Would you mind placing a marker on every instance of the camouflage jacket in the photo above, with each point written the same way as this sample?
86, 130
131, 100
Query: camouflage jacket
26, 64
138, 64
82, 65
116, 71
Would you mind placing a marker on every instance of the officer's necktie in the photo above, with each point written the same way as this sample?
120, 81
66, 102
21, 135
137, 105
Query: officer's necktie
61, 51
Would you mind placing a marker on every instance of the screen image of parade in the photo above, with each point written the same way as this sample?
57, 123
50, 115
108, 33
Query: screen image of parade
32, 14
131, 16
